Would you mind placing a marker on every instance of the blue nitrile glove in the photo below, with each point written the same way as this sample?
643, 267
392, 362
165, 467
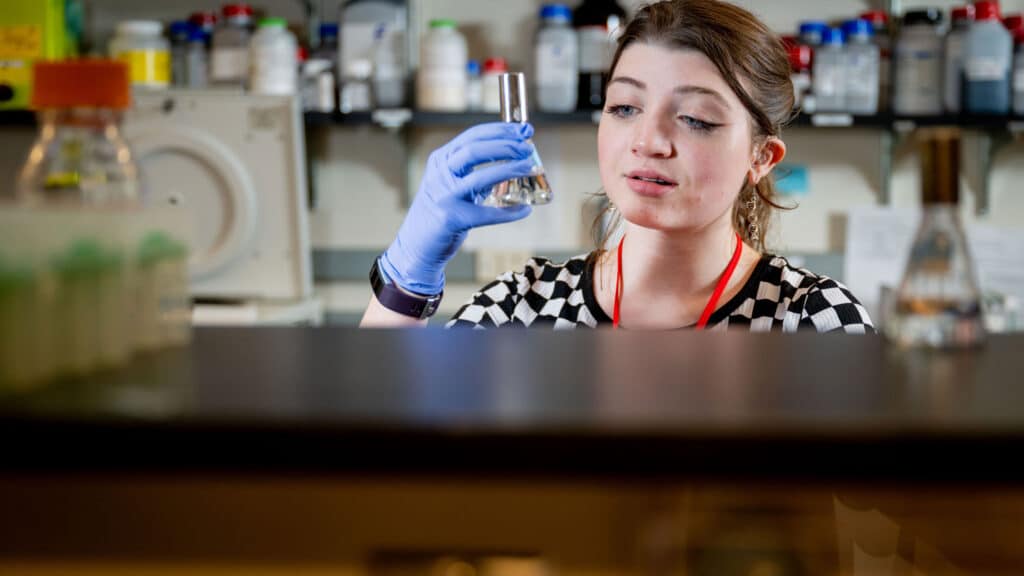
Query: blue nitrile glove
446, 206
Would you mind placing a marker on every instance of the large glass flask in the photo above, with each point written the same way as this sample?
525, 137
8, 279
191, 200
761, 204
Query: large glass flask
938, 303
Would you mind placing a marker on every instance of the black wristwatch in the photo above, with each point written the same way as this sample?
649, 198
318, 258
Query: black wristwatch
395, 298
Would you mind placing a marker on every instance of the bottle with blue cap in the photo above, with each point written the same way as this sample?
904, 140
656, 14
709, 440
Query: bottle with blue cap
179, 32
812, 32
556, 60
830, 72
862, 68
474, 86
196, 59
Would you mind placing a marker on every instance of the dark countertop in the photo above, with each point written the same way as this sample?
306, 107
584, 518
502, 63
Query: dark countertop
650, 404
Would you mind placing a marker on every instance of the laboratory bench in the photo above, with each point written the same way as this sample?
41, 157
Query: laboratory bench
333, 450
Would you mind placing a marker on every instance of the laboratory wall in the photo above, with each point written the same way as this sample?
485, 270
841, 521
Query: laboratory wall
363, 177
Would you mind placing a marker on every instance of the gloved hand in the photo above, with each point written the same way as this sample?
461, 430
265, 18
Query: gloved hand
445, 208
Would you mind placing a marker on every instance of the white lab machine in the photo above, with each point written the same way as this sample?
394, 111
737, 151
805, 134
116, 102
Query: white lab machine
235, 163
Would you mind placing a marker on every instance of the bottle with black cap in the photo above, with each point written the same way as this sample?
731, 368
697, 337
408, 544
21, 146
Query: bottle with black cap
918, 62
938, 304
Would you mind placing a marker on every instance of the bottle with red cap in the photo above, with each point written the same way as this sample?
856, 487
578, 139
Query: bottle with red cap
963, 17
988, 63
800, 69
80, 156
882, 38
205, 21
229, 57
493, 69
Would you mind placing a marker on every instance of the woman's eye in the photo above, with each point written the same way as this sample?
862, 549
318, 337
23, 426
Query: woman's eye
699, 125
622, 110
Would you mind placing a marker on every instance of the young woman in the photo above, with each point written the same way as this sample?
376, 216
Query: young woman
698, 94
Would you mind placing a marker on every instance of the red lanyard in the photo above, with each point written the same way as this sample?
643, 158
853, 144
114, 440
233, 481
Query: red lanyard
715, 296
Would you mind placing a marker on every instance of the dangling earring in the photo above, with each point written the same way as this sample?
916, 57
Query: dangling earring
753, 230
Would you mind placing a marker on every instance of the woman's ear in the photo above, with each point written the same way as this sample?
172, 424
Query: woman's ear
766, 156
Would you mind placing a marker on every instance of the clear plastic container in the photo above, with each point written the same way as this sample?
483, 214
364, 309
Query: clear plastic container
830, 73
918, 62
882, 38
272, 55
140, 44
80, 156
229, 55
556, 60
988, 63
1018, 75
377, 31
494, 68
862, 68
441, 80
954, 66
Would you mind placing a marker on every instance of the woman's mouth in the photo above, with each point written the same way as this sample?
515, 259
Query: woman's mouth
649, 183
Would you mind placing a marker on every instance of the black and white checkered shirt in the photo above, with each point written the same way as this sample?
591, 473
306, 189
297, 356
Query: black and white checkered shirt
776, 297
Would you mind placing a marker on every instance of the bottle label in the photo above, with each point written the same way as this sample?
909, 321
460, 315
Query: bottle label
229, 64
149, 67
556, 64
21, 42
985, 69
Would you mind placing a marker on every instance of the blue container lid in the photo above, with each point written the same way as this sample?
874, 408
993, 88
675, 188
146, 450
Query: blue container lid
556, 12
858, 27
813, 27
832, 37
328, 30
197, 35
473, 68
180, 29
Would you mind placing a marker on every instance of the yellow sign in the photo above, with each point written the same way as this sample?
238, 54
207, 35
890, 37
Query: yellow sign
24, 42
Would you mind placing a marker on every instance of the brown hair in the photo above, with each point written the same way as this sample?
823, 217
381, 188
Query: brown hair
740, 46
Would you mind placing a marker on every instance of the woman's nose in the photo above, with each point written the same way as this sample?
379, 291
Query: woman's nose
652, 137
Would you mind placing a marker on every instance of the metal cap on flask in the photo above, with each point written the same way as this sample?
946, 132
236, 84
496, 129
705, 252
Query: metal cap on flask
512, 87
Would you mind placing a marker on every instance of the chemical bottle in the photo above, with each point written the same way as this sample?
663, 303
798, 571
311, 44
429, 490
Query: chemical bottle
441, 80
272, 55
598, 25
229, 56
988, 63
882, 38
862, 68
830, 73
962, 17
557, 60
918, 63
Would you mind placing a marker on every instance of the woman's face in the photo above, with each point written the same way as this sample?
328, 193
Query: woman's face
674, 143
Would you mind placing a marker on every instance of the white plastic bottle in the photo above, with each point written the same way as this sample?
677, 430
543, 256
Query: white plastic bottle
557, 60
273, 55
493, 69
377, 31
988, 63
141, 46
441, 80
229, 52
954, 67
917, 87
862, 68
830, 73
1018, 75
